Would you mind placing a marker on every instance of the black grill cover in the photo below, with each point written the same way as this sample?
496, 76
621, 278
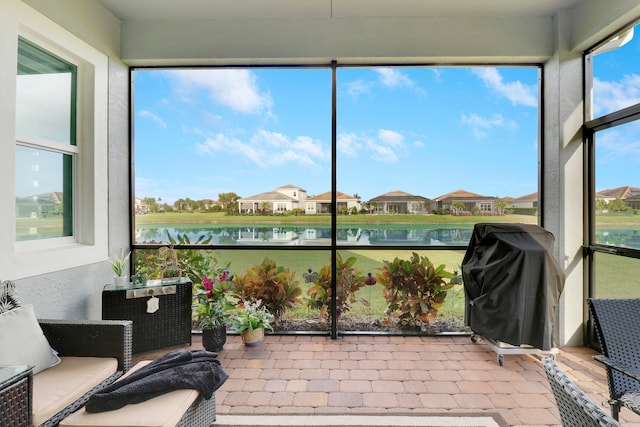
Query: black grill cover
512, 284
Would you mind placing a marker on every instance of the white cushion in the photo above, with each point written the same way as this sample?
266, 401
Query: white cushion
22, 341
165, 410
58, 387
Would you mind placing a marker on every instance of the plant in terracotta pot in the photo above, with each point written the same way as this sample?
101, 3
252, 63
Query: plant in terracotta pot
212, 308
119, 265
250, 321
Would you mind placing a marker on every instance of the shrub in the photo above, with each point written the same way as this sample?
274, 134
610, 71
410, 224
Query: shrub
414, 289
273, 284
348, 281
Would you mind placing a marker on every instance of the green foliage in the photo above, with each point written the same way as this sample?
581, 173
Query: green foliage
250, 316
348, 281
194, 263
119, 262
414, 289
211, 298
274, 285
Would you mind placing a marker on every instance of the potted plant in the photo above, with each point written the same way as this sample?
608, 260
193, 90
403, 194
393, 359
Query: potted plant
118, 265
212, 309
140, 278
250, 321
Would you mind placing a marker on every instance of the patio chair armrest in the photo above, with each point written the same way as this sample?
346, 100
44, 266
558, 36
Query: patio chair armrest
96, 338
628, 371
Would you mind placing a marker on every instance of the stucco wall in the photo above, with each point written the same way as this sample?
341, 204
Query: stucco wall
76, 293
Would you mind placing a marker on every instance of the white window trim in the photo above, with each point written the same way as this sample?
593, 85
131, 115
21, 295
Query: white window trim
90, 243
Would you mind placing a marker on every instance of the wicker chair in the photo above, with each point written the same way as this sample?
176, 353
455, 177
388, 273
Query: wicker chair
618, 330
575, 408
97, 338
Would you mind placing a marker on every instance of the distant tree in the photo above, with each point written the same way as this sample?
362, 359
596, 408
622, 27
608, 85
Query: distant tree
151, 203
501, 206
227, 198
617, 205
601, 204
457, 208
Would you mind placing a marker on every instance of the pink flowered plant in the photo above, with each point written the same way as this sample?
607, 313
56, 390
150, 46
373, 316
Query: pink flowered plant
211, 297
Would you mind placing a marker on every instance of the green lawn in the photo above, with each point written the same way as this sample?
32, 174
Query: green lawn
221, 218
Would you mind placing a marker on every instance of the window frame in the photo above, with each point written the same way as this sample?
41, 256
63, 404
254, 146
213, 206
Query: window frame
592, 125
333, 247
89, 243
70, 148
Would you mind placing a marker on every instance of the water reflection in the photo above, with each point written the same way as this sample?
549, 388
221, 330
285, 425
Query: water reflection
414, 235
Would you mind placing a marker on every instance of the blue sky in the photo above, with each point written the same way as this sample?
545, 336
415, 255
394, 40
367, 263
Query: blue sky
426, 131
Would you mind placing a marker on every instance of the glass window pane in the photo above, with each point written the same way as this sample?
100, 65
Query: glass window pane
423, 148
617, 198
616, 276
45, 95
279, 278
43, 194
616, 73
232, 156
394, 305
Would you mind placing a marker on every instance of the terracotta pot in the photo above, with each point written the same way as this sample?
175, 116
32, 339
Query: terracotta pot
213, 339
253, 338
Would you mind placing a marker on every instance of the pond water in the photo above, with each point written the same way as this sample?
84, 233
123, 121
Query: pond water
414, 235
387, 234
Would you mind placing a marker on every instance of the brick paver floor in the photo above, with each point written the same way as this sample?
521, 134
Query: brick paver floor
368, 374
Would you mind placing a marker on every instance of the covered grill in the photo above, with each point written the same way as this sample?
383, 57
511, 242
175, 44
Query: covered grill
512, 284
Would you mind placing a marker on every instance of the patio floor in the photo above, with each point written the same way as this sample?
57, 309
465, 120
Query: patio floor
368, 374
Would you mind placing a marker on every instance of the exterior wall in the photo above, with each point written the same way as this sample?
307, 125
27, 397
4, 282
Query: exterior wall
563, 178
75, 293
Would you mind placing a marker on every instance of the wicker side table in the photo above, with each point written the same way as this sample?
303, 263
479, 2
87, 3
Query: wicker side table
16, 396
168, 325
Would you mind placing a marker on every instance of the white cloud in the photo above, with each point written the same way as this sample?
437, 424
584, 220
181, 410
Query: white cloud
233, 88
418, 144
349, 144
613, 96
385, 147
382, 152
268, 149
149, 115
482, 125
391, 77
357, 88
391, 138
516, 92
222, 143
614, 145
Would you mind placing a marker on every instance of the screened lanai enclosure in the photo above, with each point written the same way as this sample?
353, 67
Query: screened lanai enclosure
342, 153
344, 228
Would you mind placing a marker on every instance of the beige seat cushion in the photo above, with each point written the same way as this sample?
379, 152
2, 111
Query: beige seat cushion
162, 411
57, 387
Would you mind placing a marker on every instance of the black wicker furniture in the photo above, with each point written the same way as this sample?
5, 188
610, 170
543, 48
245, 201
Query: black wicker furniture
179, 408
80, 340
575, 408
15, 396
166, 326
618, 330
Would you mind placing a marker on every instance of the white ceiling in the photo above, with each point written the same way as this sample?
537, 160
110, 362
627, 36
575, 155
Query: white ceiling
183, 10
